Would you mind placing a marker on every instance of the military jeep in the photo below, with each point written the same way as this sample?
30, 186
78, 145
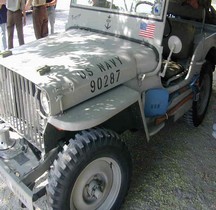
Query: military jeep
65, 99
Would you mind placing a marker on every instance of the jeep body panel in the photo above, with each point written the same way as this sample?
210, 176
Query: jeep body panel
203, 47
128, 18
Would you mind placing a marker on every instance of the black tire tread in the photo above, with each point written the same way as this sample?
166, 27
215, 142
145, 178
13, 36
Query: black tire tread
191, 117
77, 150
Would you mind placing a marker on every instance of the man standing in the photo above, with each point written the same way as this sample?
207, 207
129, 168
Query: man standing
39, 16
16, 16
3, 21
51, 5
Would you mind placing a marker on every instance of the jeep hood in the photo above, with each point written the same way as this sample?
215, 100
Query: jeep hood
82, 65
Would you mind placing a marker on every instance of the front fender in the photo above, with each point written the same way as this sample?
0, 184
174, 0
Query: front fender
97, 110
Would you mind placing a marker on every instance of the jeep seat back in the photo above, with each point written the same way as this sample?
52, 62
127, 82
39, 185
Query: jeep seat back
185, 32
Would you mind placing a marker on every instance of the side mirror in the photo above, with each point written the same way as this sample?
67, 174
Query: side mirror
175, 46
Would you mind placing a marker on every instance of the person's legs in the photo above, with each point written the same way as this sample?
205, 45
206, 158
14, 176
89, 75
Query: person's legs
36, 22
3, 36
19, 26
44, 26
40, 21
51, 18
10, 28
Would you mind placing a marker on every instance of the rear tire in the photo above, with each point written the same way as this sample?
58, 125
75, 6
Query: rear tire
92, 172
196, 114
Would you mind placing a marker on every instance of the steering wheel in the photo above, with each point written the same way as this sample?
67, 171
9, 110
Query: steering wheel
143, 2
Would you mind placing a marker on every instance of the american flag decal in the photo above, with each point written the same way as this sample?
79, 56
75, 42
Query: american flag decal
147, 30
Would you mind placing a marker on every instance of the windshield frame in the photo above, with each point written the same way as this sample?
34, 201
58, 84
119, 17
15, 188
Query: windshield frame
120, 12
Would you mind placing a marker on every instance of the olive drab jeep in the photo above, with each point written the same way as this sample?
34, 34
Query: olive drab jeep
65, 99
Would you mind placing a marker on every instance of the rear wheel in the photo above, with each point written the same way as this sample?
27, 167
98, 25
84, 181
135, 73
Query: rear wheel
196, 115
93, 172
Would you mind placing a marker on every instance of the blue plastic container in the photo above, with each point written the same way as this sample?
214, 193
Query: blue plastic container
156, 102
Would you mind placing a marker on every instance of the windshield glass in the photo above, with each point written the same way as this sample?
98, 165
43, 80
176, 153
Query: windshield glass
145, 8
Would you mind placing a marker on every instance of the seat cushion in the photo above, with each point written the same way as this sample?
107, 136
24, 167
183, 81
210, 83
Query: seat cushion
173, 69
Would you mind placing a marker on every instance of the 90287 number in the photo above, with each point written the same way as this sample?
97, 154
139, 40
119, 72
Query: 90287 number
103, 82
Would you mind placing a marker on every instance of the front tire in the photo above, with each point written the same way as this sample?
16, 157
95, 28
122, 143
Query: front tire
197, 113
92, 172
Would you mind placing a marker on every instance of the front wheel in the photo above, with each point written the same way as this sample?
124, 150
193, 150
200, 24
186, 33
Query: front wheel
92, 172
196, 115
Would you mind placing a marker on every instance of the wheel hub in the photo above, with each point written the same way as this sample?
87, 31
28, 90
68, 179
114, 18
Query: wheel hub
94, 189
97, 185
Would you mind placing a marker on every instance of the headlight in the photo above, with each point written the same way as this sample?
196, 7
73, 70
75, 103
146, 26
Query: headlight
45, 103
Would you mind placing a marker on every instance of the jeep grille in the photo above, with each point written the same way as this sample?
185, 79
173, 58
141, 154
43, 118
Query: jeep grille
20, 106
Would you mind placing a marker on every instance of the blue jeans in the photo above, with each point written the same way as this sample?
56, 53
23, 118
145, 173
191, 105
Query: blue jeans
51, 17
3, 36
